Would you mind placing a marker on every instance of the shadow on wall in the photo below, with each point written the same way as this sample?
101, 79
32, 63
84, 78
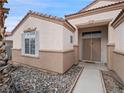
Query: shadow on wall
9, 51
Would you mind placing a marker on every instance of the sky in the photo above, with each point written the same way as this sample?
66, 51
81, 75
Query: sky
19, 8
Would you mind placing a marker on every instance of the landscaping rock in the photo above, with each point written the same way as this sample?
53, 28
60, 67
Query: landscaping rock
31, 80
112, 86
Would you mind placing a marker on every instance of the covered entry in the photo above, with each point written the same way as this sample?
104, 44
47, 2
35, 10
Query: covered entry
91, 46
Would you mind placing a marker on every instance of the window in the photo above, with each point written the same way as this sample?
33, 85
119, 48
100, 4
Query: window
71, 39
95, 34
91, 33
32, 44
26, 46
29, 42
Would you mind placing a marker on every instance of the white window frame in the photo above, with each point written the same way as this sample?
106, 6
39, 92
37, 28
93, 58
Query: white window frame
30, 35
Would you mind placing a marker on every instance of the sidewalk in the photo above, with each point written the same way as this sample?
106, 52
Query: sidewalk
90, 81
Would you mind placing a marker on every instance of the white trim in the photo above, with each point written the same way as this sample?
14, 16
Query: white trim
36, 45
30, 55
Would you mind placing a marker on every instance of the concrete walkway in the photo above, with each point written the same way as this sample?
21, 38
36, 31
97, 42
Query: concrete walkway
90, 80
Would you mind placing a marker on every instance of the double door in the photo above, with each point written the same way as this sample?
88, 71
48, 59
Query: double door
92, 49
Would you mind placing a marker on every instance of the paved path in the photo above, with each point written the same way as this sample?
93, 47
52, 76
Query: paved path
90, 80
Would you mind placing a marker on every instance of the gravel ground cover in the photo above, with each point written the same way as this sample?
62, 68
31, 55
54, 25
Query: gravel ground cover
31, 80
111, 84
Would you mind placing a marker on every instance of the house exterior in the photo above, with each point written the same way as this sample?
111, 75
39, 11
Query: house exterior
9, 43
93, 34
44, 41
95, 38
117, 50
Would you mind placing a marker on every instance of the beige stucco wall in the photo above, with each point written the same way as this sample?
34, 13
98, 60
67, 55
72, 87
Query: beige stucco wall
119, 35
111, 34
118, 64
17, 35
92, 19
104, 43
67, 45
49, 33
56, 53
108, 36
52, 36
116, 61
51, 61
76, 52
110, 48
68, 60
117, 52
95, 17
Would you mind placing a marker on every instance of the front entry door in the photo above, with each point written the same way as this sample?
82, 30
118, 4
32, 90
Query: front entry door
96, 49
92, 49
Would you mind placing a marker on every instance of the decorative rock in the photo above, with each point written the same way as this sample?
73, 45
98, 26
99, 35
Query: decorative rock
21, 79
112, 86
30, 80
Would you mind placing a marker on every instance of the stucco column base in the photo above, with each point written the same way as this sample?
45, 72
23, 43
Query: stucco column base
110, 49
76, 52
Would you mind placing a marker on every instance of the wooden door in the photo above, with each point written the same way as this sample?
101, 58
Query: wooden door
96, 49
92, 49
86, 49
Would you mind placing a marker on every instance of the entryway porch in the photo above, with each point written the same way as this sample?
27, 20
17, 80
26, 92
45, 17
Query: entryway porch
93, 40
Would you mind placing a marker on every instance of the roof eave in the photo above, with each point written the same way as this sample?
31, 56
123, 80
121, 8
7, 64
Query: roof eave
119, 19
116, 6
50, 18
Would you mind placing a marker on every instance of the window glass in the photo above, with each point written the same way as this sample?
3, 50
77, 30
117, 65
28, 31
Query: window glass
32, 44
26, 46
71, 39
29, 43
